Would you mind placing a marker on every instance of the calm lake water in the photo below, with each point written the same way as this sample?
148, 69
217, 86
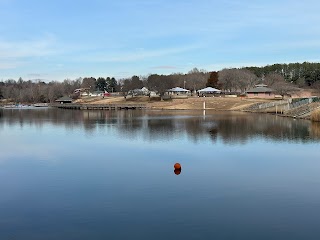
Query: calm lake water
75, 175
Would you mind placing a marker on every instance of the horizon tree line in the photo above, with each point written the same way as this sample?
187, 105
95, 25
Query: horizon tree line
283, 78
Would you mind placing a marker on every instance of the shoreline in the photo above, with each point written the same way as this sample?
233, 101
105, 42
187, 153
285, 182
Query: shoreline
236, 104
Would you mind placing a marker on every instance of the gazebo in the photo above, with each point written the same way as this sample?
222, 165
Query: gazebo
177, 92
208, 91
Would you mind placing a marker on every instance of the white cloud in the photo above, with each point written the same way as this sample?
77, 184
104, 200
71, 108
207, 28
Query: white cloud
165, 67
221, 65
9, 65
136, 55
14, 54
24, 49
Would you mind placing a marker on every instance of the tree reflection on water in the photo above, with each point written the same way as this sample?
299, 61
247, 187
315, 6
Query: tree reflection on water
231, 128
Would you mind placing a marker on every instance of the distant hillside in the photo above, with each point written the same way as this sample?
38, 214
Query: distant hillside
299, 73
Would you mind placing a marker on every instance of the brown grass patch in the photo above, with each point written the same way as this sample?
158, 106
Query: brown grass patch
315, 116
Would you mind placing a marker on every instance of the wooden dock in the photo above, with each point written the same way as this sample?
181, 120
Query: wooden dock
99, 106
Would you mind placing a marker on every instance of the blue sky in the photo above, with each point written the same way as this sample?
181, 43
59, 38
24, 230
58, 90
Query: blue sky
60, 39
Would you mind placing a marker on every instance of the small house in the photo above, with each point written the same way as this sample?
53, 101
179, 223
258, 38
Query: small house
106, 94
96, 94
260, 91
139, 92
82, 91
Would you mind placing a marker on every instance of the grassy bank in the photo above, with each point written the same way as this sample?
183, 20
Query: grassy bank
193, 103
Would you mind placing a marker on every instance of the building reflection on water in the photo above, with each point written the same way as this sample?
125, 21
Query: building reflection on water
231, 128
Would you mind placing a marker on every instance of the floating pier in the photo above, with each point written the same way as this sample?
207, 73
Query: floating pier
99, 106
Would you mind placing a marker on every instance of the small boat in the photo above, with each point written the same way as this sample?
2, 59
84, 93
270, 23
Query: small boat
16, 106
40, 105
10, 106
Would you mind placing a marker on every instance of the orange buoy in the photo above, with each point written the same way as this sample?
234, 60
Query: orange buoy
177, 166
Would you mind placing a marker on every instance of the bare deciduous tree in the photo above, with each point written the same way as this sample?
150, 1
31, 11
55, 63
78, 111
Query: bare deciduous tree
278, 83
89, 83
235, 80
196, 79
